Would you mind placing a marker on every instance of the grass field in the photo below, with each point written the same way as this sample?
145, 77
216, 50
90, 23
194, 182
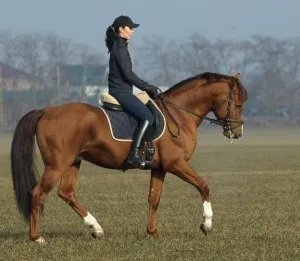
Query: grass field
255, 188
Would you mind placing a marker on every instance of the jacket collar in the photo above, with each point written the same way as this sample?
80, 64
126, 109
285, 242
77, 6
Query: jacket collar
122, 40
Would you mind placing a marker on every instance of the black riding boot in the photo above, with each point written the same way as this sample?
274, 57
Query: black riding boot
134, 156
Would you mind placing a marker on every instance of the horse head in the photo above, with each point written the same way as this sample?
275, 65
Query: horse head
222, 94
228, 104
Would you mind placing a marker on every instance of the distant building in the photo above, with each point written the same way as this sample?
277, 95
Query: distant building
88, 81
78, 75
19, 91
72, 80
14, 79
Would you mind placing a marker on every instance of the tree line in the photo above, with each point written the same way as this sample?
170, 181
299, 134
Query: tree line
269, 66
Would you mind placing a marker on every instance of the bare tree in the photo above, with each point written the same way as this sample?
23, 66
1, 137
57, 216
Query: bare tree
57, 49
277, 62
89, 56
159, 60
9, 49
30, 52
195, 54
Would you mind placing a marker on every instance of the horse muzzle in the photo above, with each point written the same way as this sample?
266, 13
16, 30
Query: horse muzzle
233, 132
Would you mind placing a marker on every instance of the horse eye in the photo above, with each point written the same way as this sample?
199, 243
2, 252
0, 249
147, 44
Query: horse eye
238, 106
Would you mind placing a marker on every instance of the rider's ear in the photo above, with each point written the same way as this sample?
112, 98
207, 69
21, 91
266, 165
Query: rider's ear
237, 76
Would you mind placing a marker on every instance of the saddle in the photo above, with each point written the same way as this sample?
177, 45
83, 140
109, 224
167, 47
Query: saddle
122, 124
110, 103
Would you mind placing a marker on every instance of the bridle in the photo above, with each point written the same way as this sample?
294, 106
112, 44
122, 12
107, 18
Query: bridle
225, 123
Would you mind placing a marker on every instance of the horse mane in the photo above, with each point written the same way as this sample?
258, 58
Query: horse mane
208, 76
211, 78
243, 94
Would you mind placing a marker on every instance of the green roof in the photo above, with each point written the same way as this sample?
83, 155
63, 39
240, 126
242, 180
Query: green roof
74, 74
9, 96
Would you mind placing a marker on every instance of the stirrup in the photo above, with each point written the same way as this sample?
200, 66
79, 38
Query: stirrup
146, 165
143, 164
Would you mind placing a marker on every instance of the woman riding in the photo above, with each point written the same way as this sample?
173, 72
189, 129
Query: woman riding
121, 79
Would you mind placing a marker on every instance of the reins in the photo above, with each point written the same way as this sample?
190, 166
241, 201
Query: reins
221, 122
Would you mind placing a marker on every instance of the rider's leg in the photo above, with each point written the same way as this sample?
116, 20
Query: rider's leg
140, 111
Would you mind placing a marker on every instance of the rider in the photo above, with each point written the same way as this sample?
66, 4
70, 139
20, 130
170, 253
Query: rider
121, 78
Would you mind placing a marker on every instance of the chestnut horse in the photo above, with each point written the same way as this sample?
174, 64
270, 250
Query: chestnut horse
69, 133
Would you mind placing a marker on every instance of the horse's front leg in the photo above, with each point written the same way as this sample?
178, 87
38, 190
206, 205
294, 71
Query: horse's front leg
183, 170
156, 184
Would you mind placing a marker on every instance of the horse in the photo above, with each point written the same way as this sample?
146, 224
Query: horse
69, 133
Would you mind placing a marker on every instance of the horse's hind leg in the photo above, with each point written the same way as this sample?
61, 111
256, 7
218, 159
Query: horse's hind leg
48, 181
156, 184
67, 193
183, 170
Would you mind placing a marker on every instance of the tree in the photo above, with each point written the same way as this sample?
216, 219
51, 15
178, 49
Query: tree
9, 49
29, 49
160, 60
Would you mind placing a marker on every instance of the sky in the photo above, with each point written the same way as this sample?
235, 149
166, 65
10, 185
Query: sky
85, 22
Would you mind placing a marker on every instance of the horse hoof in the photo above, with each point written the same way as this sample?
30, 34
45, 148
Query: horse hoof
154, 234
97, 234
41, 241
205, 229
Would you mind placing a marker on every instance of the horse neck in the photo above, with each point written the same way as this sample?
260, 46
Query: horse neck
196, 98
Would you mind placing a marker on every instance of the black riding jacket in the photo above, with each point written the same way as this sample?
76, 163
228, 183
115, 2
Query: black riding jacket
121, 77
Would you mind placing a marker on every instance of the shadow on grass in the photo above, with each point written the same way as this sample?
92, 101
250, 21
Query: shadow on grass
8, 235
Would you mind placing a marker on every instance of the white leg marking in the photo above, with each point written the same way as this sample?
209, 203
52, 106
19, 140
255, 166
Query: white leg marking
207, 213
40, 240
92, 222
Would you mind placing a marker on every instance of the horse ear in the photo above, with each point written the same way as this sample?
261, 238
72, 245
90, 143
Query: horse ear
237, 76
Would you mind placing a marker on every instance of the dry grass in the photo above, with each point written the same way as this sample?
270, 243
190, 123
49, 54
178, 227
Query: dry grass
255, 196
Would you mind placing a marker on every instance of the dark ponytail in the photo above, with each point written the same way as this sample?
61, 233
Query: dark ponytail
110, 37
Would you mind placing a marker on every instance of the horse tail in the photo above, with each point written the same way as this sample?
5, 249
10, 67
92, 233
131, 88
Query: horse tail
23, 169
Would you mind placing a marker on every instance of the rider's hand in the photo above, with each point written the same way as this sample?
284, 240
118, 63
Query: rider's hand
152, 90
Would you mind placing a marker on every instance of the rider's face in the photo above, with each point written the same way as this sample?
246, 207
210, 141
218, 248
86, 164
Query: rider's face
126, 32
